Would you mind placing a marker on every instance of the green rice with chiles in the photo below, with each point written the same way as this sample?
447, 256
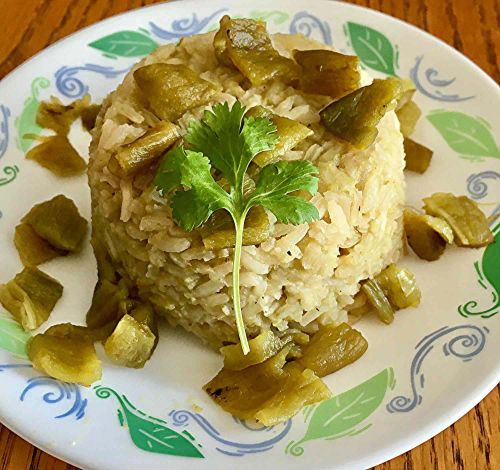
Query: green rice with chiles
301, 276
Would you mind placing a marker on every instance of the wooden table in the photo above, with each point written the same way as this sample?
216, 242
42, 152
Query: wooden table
471, 26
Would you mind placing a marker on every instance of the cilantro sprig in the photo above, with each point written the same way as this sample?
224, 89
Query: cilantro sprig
228, 141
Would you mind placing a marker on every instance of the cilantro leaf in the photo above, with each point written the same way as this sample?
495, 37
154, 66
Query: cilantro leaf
193, 207
279, 179
168, 175
189, 209
259, 135
229, 142
291, 209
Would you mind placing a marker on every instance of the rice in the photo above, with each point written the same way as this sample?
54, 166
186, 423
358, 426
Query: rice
301, 276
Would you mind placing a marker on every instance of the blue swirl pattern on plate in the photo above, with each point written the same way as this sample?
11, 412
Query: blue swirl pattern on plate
429, 84
4, 367
477, 186
59, 391
307, 24
466, 342
68, 84
231, 448
4, 129
184, 26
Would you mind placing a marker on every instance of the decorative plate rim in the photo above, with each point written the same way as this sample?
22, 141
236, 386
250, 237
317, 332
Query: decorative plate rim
457, 408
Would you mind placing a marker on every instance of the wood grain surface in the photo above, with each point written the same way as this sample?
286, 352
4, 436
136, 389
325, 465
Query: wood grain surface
471, 26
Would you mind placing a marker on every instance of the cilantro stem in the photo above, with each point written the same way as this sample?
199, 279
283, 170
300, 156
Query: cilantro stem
228, 141
239, 224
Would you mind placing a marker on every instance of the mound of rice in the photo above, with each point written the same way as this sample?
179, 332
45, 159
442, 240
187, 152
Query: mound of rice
300, 277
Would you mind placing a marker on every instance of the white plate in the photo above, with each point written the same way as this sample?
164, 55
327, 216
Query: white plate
419, 375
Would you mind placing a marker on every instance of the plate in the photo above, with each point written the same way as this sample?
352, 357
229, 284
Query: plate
419, 375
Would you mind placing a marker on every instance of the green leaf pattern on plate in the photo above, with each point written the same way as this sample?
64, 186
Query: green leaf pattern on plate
465, 134
149, 433
26, 122
488, 272
269, 16
339, 416
373, 48
125, 44
13, 338
274, 16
